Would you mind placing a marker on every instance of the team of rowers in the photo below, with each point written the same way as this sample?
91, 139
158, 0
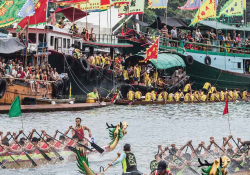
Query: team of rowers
44, 142
208, 93
181, 161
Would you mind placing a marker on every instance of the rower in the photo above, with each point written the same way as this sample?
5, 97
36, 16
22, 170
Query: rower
206, 87
187, 97
222, 95
153, 95
128, 161
148, 96
244, 94
161, 169
93, 95
187, 89
196, 95
230, 95
80, 129
170, 97
237, 94
177, 96
130, 95
138, 95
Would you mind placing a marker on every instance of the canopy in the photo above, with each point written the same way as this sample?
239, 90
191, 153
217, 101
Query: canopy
10, 45
167, 60
177, 22
143, 24
72, 14
221, 26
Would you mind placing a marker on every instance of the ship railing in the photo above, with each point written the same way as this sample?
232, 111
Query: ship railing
22, 79
214, 46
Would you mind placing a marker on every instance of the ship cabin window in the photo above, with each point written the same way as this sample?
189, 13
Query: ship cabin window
42, 37
239, 65
68, 43
79, 45
52, 40
32, 37
64, 42
75, 43
14, 34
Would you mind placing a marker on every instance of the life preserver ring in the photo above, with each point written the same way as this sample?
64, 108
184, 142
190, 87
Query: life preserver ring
2, 87
189, 60
69, 61
91, 75
58, 88
208, 60
84, 65
66, 83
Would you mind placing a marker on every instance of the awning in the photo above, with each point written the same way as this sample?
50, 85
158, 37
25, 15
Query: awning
143, 24
166, 61
10, 45
221, 26
72, 13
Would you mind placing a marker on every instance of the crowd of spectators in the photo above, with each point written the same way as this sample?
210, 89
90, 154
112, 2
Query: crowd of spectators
32, 75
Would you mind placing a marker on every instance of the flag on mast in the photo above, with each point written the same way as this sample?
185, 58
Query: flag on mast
191, 5
207, 10
152, 51
226, 107
232, 8
157, 4
28, 9
15, 109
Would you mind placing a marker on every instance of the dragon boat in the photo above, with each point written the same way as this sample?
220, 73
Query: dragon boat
143, 102
116, 133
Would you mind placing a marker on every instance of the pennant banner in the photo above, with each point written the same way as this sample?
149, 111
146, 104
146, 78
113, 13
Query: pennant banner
9, 10
135, 7
90, 6
28, 9
191, 5
157, 4
152, 51
232, 8
118, 2
105, 4
70, 2
207, 10
39, 17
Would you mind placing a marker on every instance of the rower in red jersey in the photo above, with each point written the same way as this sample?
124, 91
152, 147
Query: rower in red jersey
80, 129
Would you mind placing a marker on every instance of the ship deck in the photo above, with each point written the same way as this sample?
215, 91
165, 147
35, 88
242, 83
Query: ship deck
57, 107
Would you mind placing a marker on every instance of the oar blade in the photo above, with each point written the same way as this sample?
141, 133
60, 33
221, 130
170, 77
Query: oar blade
72, 149
32, 161
98, 148
44, 155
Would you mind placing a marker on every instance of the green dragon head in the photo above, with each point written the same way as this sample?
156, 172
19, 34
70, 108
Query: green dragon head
83, 163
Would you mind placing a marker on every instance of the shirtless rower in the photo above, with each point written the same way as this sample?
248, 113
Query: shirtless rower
80, 129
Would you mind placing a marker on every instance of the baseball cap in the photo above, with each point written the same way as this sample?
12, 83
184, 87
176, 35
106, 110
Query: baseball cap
162, 166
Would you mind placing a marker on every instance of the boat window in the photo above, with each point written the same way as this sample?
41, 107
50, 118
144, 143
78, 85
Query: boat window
32, 37
64, 42
239, 65
79, 45
52, 40
14, 34
41, 39
68, 43
75, 43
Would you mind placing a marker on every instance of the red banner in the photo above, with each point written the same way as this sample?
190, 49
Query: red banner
105, 4
38, 17
226, 107
152, 51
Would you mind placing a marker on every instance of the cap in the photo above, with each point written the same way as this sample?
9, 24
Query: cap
162, 166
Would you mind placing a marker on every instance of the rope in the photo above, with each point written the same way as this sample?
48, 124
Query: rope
218, 78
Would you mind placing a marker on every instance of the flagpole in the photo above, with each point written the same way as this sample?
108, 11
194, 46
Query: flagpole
27, 42
229, 125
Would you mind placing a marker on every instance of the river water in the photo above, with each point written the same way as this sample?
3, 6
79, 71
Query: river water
148, 127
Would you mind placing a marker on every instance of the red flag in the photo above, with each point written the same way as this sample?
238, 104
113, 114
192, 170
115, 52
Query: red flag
105, 4
152, 51
38, 17
226, 107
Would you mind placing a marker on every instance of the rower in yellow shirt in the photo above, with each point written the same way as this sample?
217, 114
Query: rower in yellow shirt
125, 76
153, 95
206, 87
196, 96
177, 96
187, 88
138, 95
187, 97
163, 96
230, 95
130, 95
244, 94
170, 97
148, 96
97, 60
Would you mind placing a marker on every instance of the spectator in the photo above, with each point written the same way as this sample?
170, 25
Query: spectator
221, 39
14, 72
71, 49
198, 36
190, 38
238, 41
174, 35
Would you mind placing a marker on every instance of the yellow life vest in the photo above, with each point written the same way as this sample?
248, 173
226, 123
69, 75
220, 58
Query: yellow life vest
186, 88
125, 75
217, 95
146, 78
244, 95
148, 96
222, 95
160, 98
187, 97
203, 98
170, 97
97, 62
165, 95
177, 96
130, 95
236, 95
206, 86
93, 61
153, 95
192, 97
196, 96
212, 90
212, 97
149, 82
103, 60
230, 96
138, 95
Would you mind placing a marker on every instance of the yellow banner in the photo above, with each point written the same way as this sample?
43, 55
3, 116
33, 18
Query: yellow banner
118, 2
90, 6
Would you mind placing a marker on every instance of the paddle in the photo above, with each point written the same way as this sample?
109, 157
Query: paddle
42, 152
98, 148
10, 156
70, 147
27, 155
77, 142
55, 152
237, 145
2, 165
110, 164
193, 150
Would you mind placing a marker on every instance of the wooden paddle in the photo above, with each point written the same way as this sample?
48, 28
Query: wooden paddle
42, 152
10, 156
27, 155
98, 148
77, 142
237, 145
70, 147
55, 152
118, 155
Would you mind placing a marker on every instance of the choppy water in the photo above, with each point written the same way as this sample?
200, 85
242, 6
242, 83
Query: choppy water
148, 127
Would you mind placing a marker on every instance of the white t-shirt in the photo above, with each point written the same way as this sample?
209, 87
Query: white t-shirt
71, 49
14, 73
174, 33
198, 35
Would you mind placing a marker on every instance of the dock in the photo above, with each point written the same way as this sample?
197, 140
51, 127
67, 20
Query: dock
57, 107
